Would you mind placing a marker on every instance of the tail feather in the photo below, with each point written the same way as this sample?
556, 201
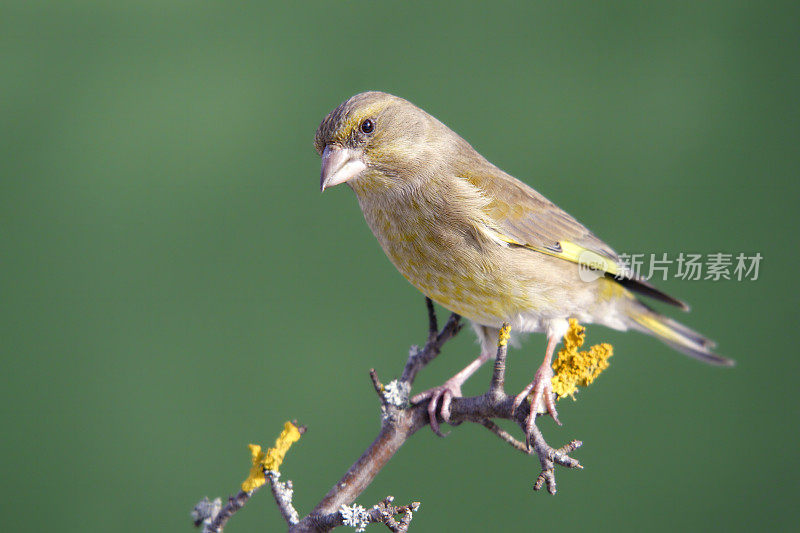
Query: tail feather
676, 335
644, 288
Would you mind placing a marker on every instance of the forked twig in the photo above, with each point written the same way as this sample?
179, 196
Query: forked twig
399, 421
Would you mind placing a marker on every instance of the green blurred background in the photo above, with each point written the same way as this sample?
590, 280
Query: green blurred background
174, 286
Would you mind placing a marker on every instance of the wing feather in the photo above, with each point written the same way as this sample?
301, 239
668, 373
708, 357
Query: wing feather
523, 217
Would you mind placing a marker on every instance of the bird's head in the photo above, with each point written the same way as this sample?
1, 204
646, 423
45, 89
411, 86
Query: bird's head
377, 141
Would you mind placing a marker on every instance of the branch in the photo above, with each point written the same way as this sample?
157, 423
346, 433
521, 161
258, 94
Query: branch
283, 492
418, 359
399, 421
505, 436
383, 512
213, 517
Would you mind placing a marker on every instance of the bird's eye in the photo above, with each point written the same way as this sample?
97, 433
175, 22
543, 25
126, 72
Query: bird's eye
367, 126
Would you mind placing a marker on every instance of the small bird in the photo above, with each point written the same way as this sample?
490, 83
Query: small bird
482, 243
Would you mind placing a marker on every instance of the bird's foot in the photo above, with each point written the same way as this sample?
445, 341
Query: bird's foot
442, 396
541, 396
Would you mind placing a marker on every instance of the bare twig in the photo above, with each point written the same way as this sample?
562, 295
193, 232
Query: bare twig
417, 359
548, 457
505, 435
283, 492
433, 322
499, 373
234, 504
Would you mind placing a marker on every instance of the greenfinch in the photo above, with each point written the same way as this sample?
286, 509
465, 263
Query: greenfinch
482, 243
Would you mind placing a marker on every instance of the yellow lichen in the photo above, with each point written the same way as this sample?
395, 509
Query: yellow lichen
505, 335
573, 367
271, 459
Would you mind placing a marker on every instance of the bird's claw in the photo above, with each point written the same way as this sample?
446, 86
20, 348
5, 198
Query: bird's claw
542, 398
441, 396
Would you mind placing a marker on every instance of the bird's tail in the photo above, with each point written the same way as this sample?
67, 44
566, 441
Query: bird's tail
675, 335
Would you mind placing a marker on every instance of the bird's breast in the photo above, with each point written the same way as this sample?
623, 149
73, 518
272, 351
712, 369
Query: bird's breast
446, 257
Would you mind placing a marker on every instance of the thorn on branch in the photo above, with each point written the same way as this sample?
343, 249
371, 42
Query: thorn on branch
376, 383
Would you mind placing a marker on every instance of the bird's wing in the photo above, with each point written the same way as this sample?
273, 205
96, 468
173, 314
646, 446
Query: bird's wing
523, 217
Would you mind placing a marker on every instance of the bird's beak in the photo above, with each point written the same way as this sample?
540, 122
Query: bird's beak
339, 165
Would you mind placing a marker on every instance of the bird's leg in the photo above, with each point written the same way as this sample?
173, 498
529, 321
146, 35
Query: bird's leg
447, 391
541, 388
